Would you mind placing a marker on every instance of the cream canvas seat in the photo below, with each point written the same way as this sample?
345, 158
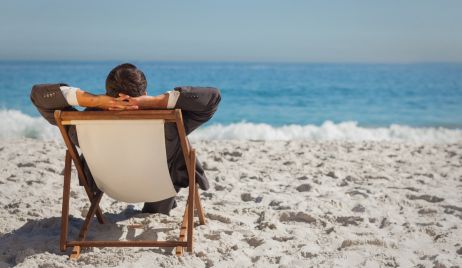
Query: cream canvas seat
125, 152
127, 158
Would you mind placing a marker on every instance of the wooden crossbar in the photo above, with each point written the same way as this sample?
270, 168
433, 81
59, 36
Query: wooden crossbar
103, 243
169, 115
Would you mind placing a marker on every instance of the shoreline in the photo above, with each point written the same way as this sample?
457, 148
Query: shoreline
277, 203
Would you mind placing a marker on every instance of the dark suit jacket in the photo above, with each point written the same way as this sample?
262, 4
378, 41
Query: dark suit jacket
198, 104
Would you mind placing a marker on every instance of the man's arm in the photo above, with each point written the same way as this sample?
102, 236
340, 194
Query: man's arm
197, 103
49, 97
86, 99
198, 99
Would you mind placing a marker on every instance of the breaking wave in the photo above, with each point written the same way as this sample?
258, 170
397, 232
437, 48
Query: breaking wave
347, 131
15, 124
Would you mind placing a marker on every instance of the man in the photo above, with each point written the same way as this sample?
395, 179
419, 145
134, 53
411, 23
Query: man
126, 90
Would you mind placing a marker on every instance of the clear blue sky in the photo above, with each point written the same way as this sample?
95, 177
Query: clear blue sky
237, 30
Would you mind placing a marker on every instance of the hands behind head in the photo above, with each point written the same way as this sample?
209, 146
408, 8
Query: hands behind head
125, 102
141, 102
116, 104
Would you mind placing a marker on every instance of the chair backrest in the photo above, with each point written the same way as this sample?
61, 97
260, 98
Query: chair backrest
127, 157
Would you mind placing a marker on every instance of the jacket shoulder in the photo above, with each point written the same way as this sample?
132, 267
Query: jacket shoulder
42, 94
191, 91
48, 87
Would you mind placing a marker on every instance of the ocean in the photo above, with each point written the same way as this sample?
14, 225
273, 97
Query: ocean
271, 101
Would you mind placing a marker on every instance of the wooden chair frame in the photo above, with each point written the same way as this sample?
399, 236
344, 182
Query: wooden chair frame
63, 120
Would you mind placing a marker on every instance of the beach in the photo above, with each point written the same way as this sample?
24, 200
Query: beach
330, 134
296, 203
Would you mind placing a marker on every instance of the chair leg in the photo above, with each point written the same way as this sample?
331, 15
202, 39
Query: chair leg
183, 231
99, 213
184, 224
192, 192
84, 230
99, 216
75, 255
65, 206
91, 212
198, 205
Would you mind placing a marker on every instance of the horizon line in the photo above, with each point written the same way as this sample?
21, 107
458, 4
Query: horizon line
230, 61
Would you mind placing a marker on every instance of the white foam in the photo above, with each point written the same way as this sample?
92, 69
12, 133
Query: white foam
14, 124
348, 131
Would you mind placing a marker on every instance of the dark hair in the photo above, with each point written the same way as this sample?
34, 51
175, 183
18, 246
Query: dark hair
127, 79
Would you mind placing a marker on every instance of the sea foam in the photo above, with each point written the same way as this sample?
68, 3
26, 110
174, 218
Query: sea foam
347, 131
15, 124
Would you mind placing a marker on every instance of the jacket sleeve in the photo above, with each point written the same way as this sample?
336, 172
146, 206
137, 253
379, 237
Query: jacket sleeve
198, 104
47, 98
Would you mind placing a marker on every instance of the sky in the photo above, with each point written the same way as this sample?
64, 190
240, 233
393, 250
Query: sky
238, 30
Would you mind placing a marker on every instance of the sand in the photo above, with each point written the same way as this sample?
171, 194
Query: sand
271, 204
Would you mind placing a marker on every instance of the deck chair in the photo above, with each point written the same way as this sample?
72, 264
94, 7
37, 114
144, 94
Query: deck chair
134, 171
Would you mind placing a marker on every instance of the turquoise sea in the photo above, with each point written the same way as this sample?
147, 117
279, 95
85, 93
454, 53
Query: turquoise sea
272, 100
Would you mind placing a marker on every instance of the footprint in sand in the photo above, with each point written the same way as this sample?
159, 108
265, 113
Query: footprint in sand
303, 187
12, 178
349, 220
217, 217
332, 175
426, 211
356, 192
297, 217
219, 187
246, 197
358, 208
26, 165
233, 154
426, 197
215, 236
254, 241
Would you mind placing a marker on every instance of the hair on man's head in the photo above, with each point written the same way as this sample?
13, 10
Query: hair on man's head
127, 79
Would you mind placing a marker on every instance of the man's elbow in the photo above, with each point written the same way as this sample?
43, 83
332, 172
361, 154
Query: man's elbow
35, 94
48, 96
215, 97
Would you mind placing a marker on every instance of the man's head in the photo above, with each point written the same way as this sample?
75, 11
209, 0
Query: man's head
126, 79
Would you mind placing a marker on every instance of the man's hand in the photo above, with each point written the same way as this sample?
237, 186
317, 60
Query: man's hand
115, 104
146, 102
141, 101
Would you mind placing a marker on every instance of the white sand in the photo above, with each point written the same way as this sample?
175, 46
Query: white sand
271, 204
